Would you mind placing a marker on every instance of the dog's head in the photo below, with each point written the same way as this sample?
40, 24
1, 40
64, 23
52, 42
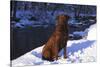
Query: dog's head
62, 18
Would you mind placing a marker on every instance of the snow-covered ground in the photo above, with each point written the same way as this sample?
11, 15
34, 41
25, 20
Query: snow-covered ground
78, 51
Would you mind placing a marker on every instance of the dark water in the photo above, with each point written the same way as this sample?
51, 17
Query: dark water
24, 40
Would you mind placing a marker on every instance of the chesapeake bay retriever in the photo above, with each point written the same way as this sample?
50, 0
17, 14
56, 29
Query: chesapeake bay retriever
58, 40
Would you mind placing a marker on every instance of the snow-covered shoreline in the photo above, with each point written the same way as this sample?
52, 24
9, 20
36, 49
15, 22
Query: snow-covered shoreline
78, 51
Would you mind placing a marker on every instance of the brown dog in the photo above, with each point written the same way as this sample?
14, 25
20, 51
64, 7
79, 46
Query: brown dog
57, 41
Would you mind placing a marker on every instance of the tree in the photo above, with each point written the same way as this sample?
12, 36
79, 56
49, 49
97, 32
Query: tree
13, 6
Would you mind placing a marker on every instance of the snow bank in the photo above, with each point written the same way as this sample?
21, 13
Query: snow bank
92, 33
78, 51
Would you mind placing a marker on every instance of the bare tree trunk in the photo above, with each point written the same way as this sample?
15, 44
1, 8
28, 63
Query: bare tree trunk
13, 7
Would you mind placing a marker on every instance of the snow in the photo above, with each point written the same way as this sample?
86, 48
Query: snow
23, 14
92, 33
25, 23
80, 33
78, 51
73, 21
